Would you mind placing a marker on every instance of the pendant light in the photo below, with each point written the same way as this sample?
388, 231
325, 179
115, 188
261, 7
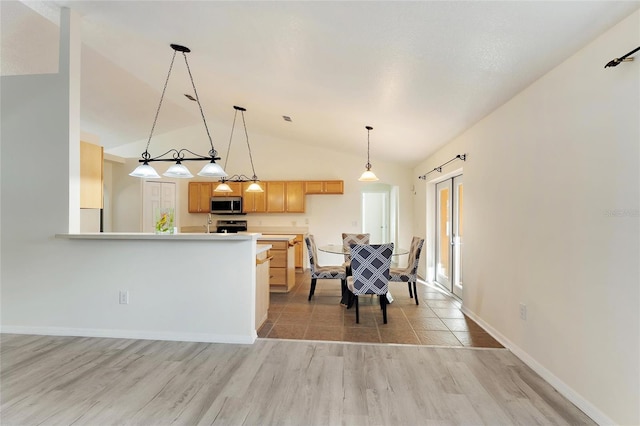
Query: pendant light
368, 175
254, 186
178, 170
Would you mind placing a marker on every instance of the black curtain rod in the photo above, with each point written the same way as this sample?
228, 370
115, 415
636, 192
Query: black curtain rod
438, 169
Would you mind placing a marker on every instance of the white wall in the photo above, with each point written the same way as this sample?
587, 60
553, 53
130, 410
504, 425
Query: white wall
326, 216
54, 286
552, 211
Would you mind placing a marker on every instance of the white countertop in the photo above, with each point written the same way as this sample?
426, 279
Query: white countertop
279, 230
260, 248
150, 236
276, 237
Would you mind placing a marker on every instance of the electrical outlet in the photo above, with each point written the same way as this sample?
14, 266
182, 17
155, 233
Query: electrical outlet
124, 297
523, 312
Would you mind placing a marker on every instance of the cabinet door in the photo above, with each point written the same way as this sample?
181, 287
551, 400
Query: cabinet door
199, 197
276, 197
236, 188
324, 187
295, 197
313, 187
299, 250
334, 187
254, 202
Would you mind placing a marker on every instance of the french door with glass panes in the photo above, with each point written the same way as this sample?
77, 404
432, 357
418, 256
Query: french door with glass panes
449, 234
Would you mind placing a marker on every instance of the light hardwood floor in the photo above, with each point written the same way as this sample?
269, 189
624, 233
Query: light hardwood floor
98, 381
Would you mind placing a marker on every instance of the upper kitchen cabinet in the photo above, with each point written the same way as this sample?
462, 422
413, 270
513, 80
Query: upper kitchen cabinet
324, 187
254, 202
200, 197
295, 196
91, 175
285, 197
276, 196
236, 188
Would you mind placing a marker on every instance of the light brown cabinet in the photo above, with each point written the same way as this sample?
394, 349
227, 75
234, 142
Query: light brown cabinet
253, 202
200, 197
299, 251
282, 267
278, 196
285, 197
236, 187
324, 187
91, 175
295, 196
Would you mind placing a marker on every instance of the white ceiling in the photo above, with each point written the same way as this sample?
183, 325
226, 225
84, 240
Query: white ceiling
420, 73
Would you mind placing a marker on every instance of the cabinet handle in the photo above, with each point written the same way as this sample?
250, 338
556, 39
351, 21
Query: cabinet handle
260, 262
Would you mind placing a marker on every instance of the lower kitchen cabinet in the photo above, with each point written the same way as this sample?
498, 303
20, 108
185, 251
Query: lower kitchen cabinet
299, 251
282, 270
263, 261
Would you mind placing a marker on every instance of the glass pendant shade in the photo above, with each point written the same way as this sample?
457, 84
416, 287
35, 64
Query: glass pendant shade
145, 171
254, 187
223, 187
212, 170
368, 176
178, 171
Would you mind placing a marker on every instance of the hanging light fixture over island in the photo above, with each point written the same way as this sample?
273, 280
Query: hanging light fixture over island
178, 170
254, 186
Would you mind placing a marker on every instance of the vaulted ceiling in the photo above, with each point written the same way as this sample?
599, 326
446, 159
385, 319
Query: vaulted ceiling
420, 73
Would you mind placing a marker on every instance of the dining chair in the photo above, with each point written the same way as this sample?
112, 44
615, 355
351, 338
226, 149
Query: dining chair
348, 239
370, 266
410, 273
322, 272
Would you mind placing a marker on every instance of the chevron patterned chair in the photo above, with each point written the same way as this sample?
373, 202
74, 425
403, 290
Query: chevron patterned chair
410, 273
322, 272
370, 266
347, 240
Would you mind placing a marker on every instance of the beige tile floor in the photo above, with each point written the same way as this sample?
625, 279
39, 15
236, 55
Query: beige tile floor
438, 319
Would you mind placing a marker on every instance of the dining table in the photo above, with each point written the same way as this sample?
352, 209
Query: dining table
341, 249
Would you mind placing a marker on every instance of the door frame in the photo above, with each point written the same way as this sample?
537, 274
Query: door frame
429, 251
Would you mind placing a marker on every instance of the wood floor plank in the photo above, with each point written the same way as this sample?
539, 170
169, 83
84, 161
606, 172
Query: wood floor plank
48, 380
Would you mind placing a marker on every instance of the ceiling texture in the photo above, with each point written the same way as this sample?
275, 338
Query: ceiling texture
420, 73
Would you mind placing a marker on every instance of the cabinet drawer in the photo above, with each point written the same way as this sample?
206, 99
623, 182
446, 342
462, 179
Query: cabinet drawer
277, 276
279, 259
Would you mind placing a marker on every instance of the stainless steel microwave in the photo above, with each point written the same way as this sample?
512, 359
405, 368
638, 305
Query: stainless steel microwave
226, 205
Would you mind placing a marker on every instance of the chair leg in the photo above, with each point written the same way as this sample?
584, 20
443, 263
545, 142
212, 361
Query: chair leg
344, 299
383, 303
415, 292
410, 293
357, 309
313, 288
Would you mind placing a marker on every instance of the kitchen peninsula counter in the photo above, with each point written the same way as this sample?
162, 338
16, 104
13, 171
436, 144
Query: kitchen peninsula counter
186, 287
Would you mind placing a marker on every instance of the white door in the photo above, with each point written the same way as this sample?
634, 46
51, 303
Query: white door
449, 234
156, 196
457, 236
375, 216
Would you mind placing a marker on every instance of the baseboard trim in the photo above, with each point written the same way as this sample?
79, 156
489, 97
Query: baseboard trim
576, 399
132, 334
